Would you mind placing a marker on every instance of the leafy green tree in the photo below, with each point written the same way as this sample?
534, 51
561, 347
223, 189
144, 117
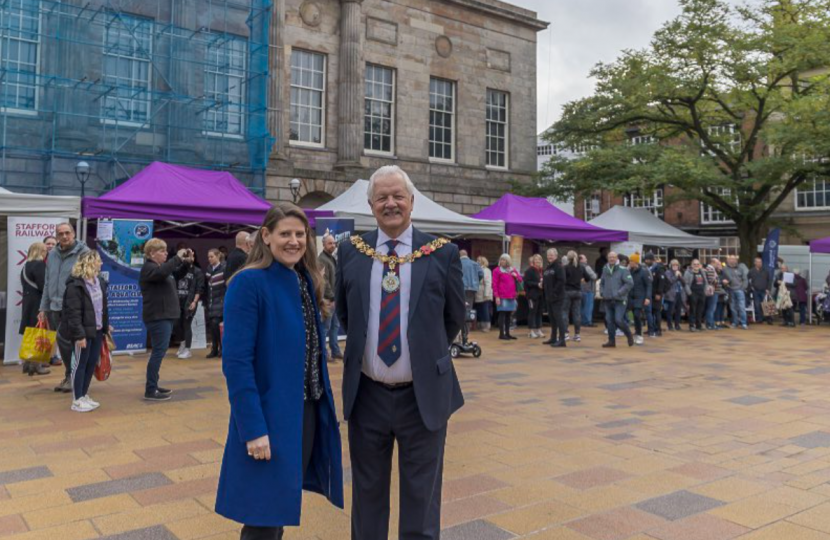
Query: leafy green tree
761, 70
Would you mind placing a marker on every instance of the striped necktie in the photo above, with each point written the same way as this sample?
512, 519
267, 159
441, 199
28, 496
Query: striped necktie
389, 331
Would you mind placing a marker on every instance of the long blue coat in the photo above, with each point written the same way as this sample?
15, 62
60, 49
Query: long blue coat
263, 361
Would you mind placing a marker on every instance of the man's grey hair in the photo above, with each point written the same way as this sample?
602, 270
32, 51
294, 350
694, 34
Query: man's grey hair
554, 251
389, 170
327, 236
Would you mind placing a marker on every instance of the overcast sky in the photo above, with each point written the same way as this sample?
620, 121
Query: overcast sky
582, 33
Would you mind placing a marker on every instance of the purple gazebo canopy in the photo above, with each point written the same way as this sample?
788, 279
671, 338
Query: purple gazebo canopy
538, 219
822, 245
174, 193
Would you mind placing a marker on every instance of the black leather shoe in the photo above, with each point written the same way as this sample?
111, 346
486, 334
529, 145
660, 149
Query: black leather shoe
630, 341
511, 337
548, 342
559, 344
157, 396
164, 391
609, 345
505, 338
213, 355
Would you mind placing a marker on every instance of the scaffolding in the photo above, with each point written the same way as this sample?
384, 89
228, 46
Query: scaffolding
122, 83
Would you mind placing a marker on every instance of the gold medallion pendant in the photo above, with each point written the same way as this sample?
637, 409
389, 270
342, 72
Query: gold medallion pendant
391, 282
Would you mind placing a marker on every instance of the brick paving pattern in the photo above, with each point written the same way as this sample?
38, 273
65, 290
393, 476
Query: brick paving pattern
708, 436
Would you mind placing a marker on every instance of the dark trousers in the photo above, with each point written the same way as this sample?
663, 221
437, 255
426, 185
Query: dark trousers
185, 322
638, 320
215, 335
83, 367
534, 313
250, 532
673, 312
505, 318
382, 416
697, 309
160, 332
572, 309
615, 318
758, 297
802, 312
64, 345
655, 320
558, 326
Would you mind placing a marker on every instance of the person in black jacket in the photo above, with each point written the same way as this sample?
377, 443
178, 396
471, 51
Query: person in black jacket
553, 283
33, 279
215, 292
84, 322
238, 256
654, 312
640, 296
161, 309
575, 276
190, 281
535, 296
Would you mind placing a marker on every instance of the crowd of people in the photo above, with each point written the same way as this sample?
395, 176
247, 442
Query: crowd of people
63, 291
637, 297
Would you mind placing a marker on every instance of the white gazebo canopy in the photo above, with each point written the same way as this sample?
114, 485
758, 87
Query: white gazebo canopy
427, 215
645, 228
29, 204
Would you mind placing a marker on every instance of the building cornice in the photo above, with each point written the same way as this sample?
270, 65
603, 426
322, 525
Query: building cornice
503, 10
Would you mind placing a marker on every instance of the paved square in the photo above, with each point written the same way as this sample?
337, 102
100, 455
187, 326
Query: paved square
708, 436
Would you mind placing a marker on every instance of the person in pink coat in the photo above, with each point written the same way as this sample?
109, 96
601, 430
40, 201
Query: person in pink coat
506, 280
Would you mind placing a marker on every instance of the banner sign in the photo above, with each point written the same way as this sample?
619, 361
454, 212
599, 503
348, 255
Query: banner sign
770, 255
340, 229
123, 257
23, 232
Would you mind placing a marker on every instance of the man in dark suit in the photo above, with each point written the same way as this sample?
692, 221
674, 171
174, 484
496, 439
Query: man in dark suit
399, 384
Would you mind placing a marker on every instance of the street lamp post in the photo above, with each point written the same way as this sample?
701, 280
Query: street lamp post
82, 173
294, 184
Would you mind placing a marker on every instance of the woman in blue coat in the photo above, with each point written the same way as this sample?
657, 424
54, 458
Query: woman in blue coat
283, 435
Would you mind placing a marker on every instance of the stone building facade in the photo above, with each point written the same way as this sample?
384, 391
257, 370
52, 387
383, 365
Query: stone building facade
446, 89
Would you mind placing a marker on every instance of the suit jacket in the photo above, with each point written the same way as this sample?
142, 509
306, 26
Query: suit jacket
436, 315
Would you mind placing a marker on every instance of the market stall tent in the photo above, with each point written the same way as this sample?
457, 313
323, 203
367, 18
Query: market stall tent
29, 204
181, 195
822, 245
538, 219
427, 215
645, 228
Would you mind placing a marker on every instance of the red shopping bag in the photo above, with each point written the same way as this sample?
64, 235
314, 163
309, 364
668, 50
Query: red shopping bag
104, 366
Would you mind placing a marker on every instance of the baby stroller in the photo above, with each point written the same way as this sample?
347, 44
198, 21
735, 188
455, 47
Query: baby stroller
466, 346
821, 306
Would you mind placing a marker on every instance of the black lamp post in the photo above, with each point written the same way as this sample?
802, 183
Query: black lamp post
294, 184
82, 173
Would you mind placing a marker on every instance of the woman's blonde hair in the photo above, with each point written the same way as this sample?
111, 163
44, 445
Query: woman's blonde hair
37, 252
261, 256
505, 257
153, 245
482, 260
673, 262
86, 266
573, 258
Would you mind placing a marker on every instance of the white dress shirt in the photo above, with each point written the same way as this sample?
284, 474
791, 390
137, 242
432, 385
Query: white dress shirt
373, 366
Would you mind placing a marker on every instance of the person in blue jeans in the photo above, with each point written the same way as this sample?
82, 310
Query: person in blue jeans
735, 279
713, 280
615, 284
331, 326
588, 293
157, 281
